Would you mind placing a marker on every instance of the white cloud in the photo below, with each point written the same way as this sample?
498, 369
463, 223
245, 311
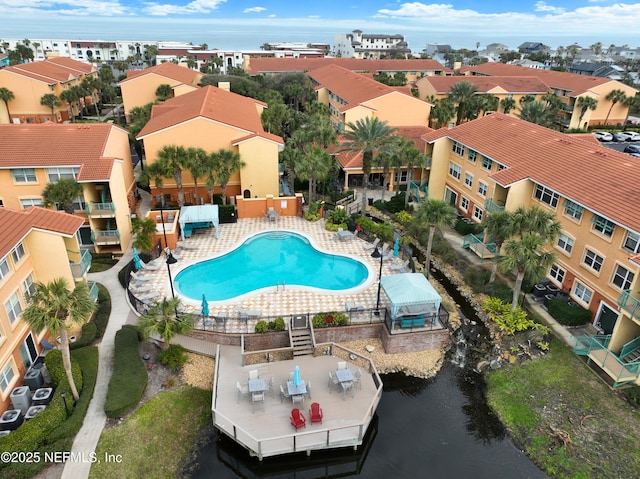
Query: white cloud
273, 15
197, 6
65, 7
254, 10
543, 7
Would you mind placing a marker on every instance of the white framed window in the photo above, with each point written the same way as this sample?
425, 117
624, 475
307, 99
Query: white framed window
632, 242
6, 376
486, 163
603, 225
472, 155
27, 202
28, 287
4, 268
593, 260
622, 277
457, 148
557, 273
581, 292
68, 172
468, 179
565, 243
13, 307
572, 210
464, 204
401, 176
477, 213
18, 253
23, 175
482, 188
455, 170
546, 196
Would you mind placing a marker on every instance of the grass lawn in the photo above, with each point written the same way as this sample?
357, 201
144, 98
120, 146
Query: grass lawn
540, 400
157, 438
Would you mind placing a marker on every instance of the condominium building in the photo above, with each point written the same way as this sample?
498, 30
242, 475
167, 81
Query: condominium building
370, 45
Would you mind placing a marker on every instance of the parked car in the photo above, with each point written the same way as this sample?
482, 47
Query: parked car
619, 136
632, 149
632, 135
603, 135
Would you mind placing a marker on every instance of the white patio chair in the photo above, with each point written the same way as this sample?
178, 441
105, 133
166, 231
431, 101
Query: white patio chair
371, 246
342, 365
283, 394
357, 378
257, 398
297, 398
243, 390
253, 374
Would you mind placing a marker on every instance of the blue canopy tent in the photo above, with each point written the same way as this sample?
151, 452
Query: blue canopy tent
413, 301
201, 216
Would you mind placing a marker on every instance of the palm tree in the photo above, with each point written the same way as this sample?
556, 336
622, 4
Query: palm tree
144, 229
614, 96
507, 105
92, 85
314, 164
163, 320
55, 308
228, 162
442, 112
6, 96
367, 137
538, 112
164, 92
461, 95
499, 228
62, 193
52, 101
70, 97
212, 166
171, 160
586, 103
434, 213
197, 160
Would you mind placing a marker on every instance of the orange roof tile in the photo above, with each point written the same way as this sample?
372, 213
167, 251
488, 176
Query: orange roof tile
54, 144
55, 70
167, 70
598, 178
34, 218
511, 84
212, 103
281, 65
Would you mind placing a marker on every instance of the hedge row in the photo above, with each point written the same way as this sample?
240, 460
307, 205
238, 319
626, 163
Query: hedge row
96, 327
129, 378
568, 314
325, 320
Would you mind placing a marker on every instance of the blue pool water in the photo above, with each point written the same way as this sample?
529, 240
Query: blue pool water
265, 259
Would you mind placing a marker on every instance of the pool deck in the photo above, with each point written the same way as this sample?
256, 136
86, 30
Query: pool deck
280, 302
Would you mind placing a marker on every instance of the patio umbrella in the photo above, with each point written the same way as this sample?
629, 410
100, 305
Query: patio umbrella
136, 259
296, 376
396, 247
205, 306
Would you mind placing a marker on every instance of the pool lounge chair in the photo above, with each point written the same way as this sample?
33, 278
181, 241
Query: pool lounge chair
372, 246
401, 267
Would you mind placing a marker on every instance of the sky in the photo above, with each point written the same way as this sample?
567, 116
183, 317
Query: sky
247, 24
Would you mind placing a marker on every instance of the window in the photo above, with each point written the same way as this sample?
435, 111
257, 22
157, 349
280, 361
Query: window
622, 277
572, 209
482, 188
468, 179
4, 268
17, 253
26, 203
28, 287
486, 163
603, 226
546, 196
593, 260
565, 243
557, 273
13, 307
1, 204
472, 154
455, 170
581, 292
464, 204
458, 148
55, 174
401, 176
477, 213
79, 204
632, 242
23, 175
6, 377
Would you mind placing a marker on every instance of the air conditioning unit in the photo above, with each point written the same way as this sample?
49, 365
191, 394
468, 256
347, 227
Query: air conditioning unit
42, 396
21, 398
34, 411
11, 420
34, 378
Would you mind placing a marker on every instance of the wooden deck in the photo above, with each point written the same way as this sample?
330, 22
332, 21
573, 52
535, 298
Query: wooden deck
610, 364
269, 432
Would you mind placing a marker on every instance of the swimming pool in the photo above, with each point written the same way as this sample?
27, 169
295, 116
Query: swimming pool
266, 258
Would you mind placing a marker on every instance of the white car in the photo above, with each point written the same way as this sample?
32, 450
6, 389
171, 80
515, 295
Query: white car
632, 135
603, 135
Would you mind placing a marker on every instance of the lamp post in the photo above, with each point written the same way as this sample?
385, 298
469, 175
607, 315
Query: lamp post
167, 251
377, 254
64, 399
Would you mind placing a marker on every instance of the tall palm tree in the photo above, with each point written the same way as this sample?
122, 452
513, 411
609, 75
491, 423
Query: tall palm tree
197, 164
499, 228
164, 92
443, 112
538, 112
52, 101
314, 164
144, 229
461, 94
212, 167
586, 103
163, 321
70, 97
92, 86
434, 213
56, 308
507, 105
614, 96
171, 160
228, 162
6, 96
63, 193
367, 137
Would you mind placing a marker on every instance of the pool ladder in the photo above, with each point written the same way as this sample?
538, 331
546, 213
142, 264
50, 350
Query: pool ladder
278, 285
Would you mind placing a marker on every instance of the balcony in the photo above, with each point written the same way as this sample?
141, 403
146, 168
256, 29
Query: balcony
629, 304
622, 368
100, 210
566, 107
93, 290
491, 206
475, 244
78, 270
105, 237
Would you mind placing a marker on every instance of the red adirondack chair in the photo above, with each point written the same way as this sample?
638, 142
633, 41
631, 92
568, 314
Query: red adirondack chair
297, 419
315, 413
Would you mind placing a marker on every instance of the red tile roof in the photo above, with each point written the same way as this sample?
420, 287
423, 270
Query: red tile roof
168, 70
52, 71
511, 84
22, 222
281, 65
598, 178
212, 103
48, 145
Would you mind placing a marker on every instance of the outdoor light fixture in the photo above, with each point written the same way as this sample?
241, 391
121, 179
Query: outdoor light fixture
377, 254
64, 399
167, 251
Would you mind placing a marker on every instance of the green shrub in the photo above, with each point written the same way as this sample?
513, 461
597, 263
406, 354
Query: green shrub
404, 217
338, 216
396, 203
278, 324
53, 361
329, 319
228, 214
499, 289
383, 230
87, 336
102, 312
567, 314
129, 378
477, 278
340, 319
261, 327
173, 357
464, 228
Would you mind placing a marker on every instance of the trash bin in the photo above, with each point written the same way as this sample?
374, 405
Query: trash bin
370, 200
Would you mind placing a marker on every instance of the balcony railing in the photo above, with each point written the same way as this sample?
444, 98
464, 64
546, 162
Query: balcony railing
475, 244
93, 290
103, 237
100, 210
491, 206
629, 304
78, 270
566, 107
595, 348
